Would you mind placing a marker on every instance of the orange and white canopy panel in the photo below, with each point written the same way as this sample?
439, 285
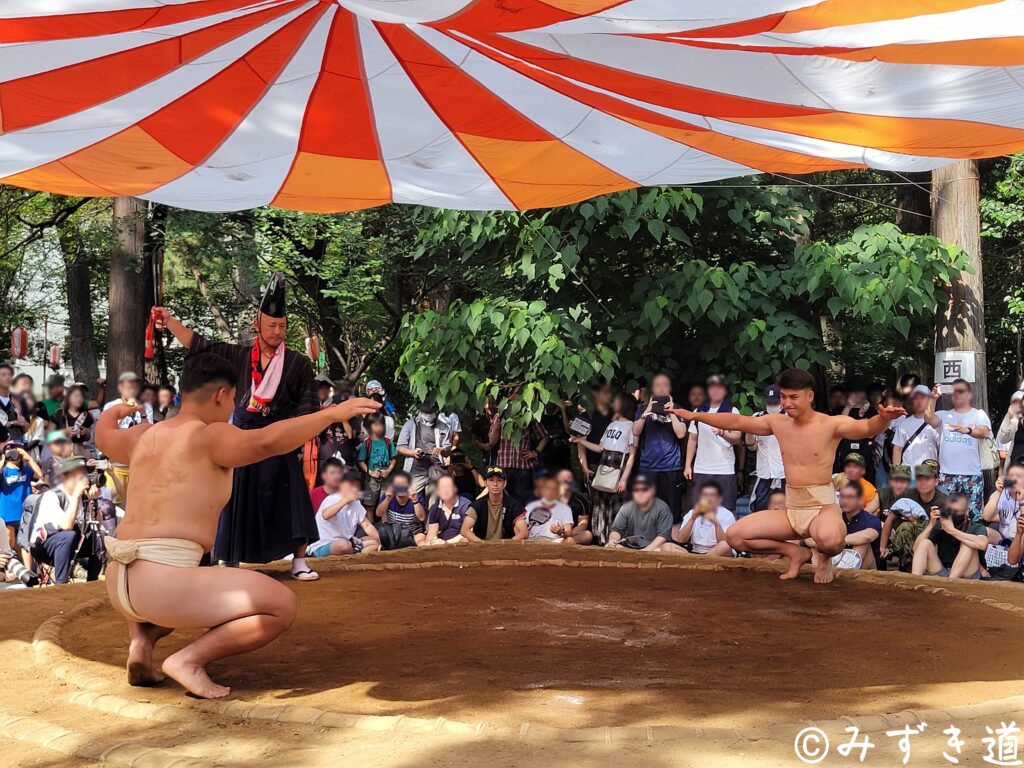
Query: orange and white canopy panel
335, 105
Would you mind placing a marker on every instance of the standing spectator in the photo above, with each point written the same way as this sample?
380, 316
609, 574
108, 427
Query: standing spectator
166, 403
837, 397
12, 410
54, 394
426, 439
601, 414
547, 519
578, 503
908, 383
342, 523
858, 406
711, 456
18, 473
493, 515
128, 389
375, 390
915, 440
376, 458
657, 436
519, 458
951, 542
339, 441
75, 419
448, 513
1011, 429
704, 526
57, 535
487, 432
696, 395
618, 453
402, 514
770, 474
555, 421
644, 522
330, 475
959, 456
853, 472
59, 447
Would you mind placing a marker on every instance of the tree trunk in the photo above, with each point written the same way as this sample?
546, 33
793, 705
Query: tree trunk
130, 295
81, 341
914, 202
956, 219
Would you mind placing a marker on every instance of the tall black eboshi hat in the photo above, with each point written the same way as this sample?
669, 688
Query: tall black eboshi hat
273, 300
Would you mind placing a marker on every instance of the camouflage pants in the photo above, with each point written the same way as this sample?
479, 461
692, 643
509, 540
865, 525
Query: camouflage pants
902, 542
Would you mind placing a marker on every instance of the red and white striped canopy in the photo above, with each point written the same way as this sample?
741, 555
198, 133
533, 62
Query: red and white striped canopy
329, 105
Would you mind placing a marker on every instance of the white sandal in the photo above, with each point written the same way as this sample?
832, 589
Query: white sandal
306, 575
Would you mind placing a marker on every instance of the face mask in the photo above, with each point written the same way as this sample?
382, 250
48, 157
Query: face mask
428, 418
773, 409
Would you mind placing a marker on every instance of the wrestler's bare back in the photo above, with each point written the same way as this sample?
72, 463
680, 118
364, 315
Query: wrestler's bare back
808, 445
176, 490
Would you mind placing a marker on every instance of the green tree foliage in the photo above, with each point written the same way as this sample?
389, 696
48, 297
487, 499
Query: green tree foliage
684, 280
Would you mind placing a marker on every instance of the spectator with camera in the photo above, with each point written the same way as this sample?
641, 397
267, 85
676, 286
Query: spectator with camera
703, 527
12, 409
857, 406
74, 419
658, 435
951, 543
915, 440
1003, 507
61, 533
342, 523
376, 458
469, 481
492, 517
600, 415
17, 475
959, 430
402, 514
426, 440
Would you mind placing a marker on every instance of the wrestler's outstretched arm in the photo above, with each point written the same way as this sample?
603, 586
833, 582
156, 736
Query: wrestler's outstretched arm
117, 443
734, 421
861, 429
231, 447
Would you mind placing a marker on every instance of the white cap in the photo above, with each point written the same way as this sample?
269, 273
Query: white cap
1018, 395
921, 389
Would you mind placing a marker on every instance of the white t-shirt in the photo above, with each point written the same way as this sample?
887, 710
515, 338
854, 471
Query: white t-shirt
540, 517
703, 536
769, 457
958, 453
715, 455
343, 525
925, 445
50, 512
618, 437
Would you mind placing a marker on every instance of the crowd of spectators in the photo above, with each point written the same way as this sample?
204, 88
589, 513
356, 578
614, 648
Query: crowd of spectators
939, 493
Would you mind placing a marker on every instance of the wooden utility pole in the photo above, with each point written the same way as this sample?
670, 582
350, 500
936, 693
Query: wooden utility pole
956, 219
131, 291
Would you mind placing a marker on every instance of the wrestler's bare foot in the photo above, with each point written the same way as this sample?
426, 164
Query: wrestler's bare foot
823, 571
801, 556
193, 678
140, 654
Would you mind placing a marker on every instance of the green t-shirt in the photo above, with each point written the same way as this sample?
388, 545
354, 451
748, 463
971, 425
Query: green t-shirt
947, 546
51, 406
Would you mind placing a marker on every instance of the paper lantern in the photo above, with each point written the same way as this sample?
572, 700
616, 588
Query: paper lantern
19, 343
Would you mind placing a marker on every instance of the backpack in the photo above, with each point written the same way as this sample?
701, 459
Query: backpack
29, 515
369, 442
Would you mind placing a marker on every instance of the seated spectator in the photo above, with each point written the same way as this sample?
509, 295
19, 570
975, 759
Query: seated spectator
331, 476
926, 486
402, 515
951, 542
57, 538
703, 527
854, 468
547, 519
493, 515
578, 503
1003, 507
58, 448
644, 522
376, 458
1016, 551
862, 530
446, 516
898, 488
16, 477
342, 523
777, 499
904, 524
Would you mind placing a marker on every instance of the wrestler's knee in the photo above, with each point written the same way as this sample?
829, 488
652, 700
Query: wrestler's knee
735, 538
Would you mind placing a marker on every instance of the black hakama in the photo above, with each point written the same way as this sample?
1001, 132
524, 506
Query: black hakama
269, 514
